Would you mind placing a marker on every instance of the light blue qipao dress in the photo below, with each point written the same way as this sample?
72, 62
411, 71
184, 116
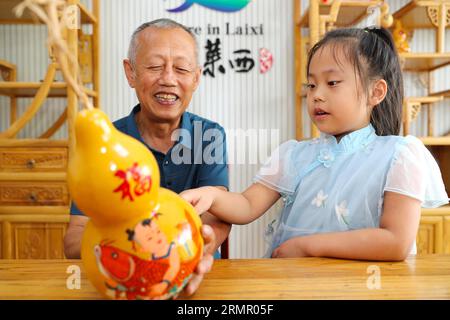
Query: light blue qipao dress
330, 187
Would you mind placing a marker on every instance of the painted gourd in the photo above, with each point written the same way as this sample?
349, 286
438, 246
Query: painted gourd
142, 241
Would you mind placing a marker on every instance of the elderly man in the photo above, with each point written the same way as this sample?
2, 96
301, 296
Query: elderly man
163, 68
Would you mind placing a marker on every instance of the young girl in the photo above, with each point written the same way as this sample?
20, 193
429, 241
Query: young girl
356, 192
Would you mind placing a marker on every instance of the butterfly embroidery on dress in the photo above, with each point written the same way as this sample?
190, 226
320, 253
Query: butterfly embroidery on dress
342, 213
319, 200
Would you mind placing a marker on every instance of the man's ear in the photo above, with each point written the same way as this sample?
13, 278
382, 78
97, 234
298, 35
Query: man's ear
378, 92
129, 72
197, 77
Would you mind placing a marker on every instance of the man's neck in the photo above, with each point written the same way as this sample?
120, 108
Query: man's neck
156, 134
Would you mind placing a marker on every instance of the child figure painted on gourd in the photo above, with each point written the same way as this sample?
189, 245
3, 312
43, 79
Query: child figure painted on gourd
149, 238
166, 267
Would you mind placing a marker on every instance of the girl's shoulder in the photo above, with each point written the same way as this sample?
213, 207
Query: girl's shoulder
401, 143
409, 139
415, 173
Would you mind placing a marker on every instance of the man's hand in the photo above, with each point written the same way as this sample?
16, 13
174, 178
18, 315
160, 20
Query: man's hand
205, 263
74, 234
158, 289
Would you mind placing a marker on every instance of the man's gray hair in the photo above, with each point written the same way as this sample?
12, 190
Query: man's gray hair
158, 24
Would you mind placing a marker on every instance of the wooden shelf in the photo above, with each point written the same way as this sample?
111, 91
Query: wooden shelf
436, 141
445, 93
7, 65
33, 143
36, 176
424, 61
444, 211
29, 89
19, 210
425, 100
33, 171
7, 15
350, 12
414, 14
412, 106
86, 16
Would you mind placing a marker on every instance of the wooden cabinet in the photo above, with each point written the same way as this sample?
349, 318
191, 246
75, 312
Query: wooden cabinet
34, 200
28, 159
28, 236
33, 193
430, 235
434, 231
34, 197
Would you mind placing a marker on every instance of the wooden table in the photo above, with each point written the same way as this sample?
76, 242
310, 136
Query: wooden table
419, 277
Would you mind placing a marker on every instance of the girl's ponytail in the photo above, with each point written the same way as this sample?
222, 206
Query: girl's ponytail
383, 62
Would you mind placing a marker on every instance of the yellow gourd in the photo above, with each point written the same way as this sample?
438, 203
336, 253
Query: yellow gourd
142, 241
113, 177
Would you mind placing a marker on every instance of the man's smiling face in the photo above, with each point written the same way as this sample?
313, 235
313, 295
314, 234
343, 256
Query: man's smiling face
165, 72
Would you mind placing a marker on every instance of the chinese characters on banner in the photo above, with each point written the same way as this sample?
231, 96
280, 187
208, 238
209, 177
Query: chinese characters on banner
242, 61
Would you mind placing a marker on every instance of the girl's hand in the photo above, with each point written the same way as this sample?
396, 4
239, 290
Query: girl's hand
201, 198
292, 248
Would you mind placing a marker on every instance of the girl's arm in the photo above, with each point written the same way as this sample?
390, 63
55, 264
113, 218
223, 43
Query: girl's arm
221, 229
235, 208
391, 242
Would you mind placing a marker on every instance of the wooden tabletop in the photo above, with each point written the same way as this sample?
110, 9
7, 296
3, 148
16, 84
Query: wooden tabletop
419, 277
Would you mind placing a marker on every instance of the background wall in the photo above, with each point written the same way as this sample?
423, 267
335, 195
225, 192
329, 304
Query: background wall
249, 101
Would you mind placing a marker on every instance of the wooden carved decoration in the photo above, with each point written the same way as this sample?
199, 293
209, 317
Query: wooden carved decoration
433, 15
414, 110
